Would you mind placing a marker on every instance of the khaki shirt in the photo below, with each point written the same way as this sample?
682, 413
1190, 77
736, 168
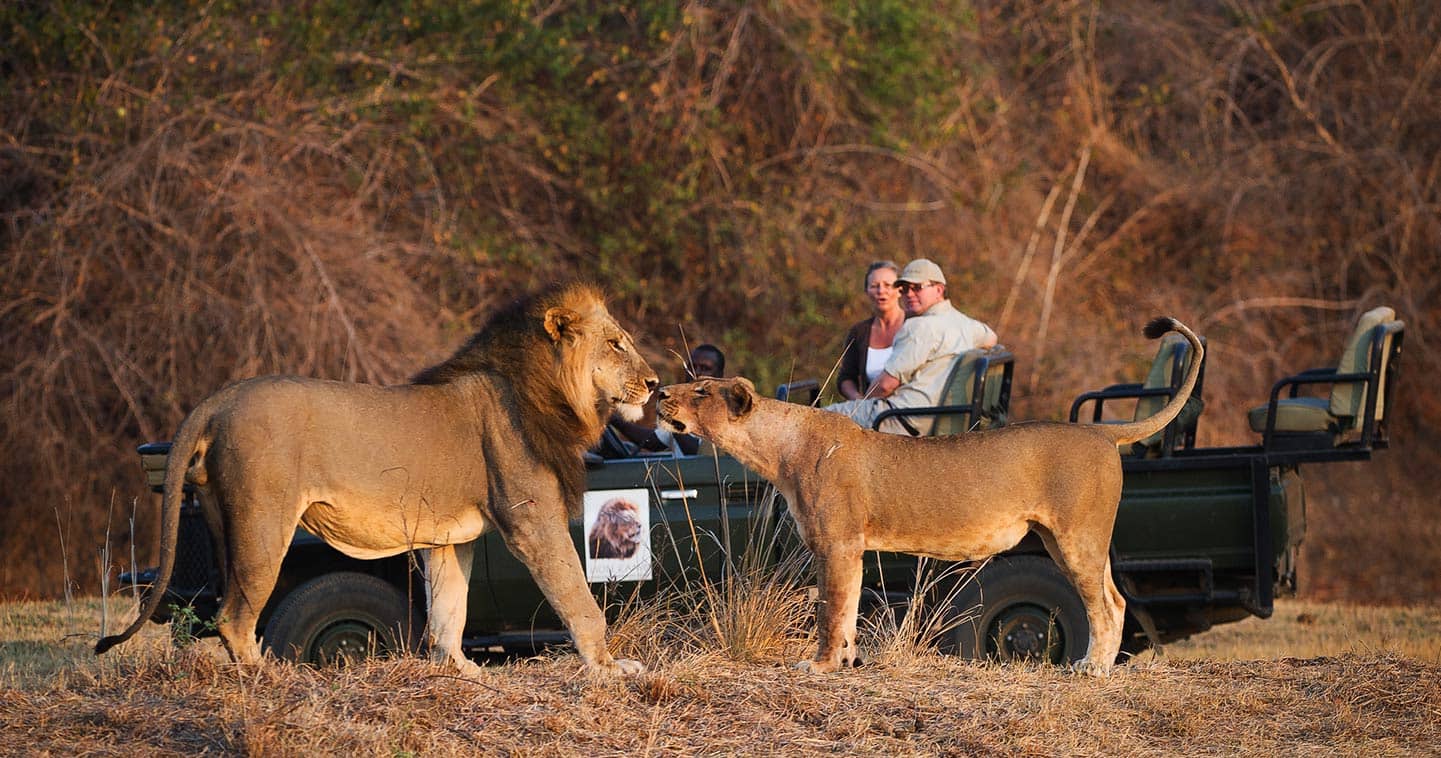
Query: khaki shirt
924, 349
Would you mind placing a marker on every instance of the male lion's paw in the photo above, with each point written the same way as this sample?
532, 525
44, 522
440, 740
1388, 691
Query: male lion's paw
1090, 668
629, 667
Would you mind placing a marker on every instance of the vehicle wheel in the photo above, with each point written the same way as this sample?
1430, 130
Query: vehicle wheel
342, 616
1020, 608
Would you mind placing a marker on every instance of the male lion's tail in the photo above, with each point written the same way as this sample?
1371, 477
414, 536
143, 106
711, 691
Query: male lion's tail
190, 440
1125, 434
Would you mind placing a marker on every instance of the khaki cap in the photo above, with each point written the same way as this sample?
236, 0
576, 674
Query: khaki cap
920, 271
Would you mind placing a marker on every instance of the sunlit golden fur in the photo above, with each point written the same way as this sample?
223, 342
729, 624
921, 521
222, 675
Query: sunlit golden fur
490, 438
955, 498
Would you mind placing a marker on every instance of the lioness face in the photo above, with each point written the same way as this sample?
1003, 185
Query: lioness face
702, 407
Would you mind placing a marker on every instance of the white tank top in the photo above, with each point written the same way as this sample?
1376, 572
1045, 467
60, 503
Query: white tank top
876, 358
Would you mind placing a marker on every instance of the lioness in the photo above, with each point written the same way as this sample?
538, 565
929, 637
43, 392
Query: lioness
491, 437
955, 498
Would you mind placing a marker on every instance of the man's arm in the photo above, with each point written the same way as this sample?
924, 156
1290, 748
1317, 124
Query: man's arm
884, 386
643, 436
908, 352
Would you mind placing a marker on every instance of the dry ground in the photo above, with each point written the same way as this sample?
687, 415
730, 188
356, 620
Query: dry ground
1314, 680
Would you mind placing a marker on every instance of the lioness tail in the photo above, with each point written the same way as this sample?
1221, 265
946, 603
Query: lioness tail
1125, 434
188, 441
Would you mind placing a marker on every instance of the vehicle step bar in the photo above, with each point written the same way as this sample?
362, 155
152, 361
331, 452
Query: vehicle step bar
1136, 569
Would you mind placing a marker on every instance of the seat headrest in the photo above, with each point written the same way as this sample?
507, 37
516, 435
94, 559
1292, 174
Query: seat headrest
1162, 374
1347, 400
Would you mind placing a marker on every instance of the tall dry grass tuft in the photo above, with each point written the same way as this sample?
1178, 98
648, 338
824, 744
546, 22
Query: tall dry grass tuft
756, 609
758, 613
925, 623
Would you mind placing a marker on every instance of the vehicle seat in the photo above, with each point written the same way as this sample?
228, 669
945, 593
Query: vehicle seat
976, 395
1167, 373
613, 444
153, 458
975, 379
1365, 363
803, 391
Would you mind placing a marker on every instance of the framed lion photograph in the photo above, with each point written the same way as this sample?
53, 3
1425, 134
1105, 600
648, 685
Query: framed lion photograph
617, 535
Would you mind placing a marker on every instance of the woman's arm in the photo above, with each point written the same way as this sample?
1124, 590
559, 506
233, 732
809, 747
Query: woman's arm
850, 377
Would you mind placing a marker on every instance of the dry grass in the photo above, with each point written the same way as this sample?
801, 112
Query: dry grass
1370, 698
1302, 629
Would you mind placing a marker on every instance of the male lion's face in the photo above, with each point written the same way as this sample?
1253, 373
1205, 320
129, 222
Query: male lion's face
618, 378
702, 407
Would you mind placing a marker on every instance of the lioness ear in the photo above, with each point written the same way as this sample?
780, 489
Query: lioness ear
739, 399
559, 321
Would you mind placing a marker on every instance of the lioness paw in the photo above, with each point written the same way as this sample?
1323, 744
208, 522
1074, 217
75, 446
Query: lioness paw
467, 669
817, 667
616, 667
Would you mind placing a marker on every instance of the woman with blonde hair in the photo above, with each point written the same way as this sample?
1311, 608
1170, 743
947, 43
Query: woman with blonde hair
868, 343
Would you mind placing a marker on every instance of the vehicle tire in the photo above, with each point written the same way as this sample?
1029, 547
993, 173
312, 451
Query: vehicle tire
1019, 608
342, 616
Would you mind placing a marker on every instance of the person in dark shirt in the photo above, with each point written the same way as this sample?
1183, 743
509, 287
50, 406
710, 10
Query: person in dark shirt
632, 437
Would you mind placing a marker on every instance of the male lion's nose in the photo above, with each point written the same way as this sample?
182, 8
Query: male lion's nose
661, 393
652, 383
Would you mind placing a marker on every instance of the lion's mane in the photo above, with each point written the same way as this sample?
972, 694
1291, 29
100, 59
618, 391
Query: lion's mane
543, 394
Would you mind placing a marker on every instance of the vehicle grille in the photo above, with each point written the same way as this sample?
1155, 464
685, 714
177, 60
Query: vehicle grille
194, 555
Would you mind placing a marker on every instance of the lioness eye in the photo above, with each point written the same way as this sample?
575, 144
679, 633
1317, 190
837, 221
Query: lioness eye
616, 346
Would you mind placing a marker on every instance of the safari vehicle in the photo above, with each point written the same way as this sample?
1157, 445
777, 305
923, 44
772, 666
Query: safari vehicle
1203, 536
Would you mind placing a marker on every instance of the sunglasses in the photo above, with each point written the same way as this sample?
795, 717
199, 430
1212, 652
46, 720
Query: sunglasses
907, 287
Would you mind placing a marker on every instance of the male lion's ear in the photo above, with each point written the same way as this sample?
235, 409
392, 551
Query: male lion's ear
739, 399
558, 322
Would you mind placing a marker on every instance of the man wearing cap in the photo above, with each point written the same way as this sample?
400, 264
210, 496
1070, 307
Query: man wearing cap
926, 345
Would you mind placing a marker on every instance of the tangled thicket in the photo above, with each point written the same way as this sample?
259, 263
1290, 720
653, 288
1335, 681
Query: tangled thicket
193, 193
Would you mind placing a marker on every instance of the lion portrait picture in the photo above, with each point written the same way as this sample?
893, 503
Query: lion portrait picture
616, 531
617, 535
490, 438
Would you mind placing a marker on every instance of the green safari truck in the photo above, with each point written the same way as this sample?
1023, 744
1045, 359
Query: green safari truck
1203, 536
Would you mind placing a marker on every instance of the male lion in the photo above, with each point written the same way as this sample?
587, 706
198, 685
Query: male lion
965, 497
492, 437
